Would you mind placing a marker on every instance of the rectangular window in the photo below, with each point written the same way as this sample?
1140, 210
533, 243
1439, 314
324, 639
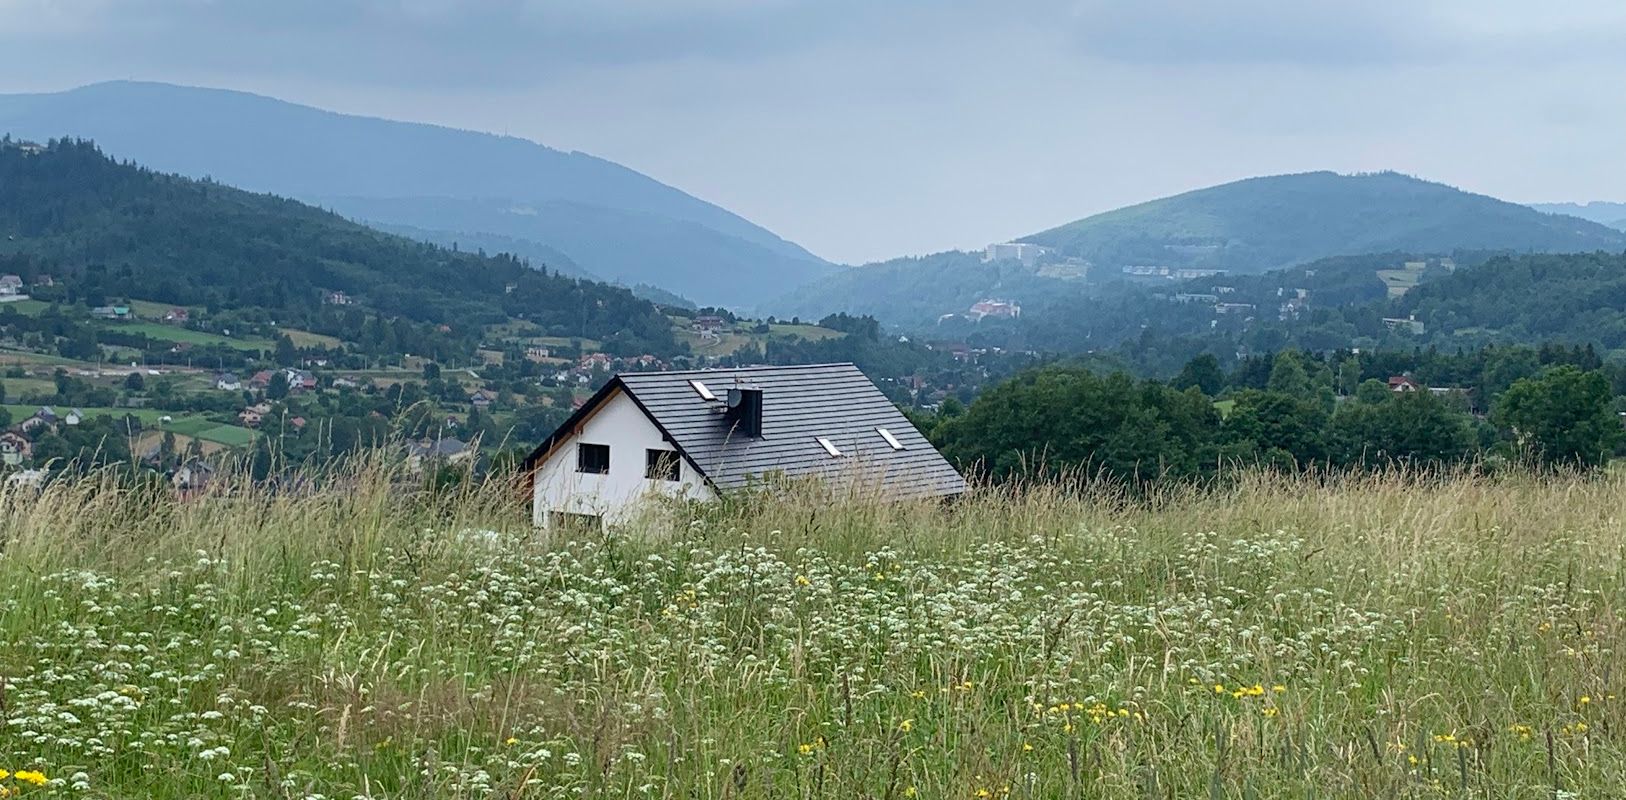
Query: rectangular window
593, 458
700, 389
829, 447
892, 441
662, 465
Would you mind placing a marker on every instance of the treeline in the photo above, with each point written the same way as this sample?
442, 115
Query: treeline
109, 230
1552, 407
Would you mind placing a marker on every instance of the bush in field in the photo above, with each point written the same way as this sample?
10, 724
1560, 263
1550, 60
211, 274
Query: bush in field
1563, 417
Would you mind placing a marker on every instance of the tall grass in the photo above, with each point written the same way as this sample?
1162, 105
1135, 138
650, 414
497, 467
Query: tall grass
348, 633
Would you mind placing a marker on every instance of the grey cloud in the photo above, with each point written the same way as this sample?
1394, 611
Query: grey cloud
485, 42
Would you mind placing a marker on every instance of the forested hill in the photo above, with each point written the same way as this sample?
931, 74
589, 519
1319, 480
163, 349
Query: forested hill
109, 229
1265, 223
1577, 299
1571, 299
617, 224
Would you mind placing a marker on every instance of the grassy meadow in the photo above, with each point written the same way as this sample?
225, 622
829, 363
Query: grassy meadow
1386, 636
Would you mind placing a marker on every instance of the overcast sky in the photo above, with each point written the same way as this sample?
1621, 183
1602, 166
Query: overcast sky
867, 129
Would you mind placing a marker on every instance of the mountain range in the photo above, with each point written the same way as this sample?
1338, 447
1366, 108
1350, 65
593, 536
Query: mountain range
1245, 227
1602, 212
443, 184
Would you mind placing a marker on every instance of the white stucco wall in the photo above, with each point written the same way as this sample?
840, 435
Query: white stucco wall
619, 494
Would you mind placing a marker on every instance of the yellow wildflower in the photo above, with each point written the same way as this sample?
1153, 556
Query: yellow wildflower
906, 725
1271, 711
4, 774
801, 580
1027, 748
1278, 688
1585, 699
510, 741
909, 792
1219, 688
918, 694
30, 776
805, 749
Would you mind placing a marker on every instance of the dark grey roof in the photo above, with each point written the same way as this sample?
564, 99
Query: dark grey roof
799, 405
444, 447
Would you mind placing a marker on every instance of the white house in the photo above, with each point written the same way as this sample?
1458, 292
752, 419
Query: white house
698, 434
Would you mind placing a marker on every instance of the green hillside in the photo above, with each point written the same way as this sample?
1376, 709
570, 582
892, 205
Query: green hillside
110, 230
914, 291
1266, 223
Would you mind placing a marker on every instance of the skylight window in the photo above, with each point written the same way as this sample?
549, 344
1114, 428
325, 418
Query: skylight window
829, 447
700, 389
891, 440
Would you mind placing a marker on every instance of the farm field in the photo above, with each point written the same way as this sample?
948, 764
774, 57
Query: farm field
189, 424
309, 339
1378, 637
152, 439
174, 333
731, 341
1400, 281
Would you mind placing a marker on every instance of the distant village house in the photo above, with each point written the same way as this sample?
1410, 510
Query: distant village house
15, 449
994, 308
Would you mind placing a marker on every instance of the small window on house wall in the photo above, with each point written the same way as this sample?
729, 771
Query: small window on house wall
593, 458
662, 465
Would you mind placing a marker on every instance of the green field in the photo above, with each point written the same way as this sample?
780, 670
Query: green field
812, 333
17, 387
588, 345
149, 310
308, 339
173, 333
1400, 281
1374, 637
190, 424
31, 308
729, 340
211, 431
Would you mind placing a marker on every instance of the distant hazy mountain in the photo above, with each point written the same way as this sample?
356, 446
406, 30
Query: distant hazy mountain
1266, 223
609, 220
1601, 212
1249, 226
